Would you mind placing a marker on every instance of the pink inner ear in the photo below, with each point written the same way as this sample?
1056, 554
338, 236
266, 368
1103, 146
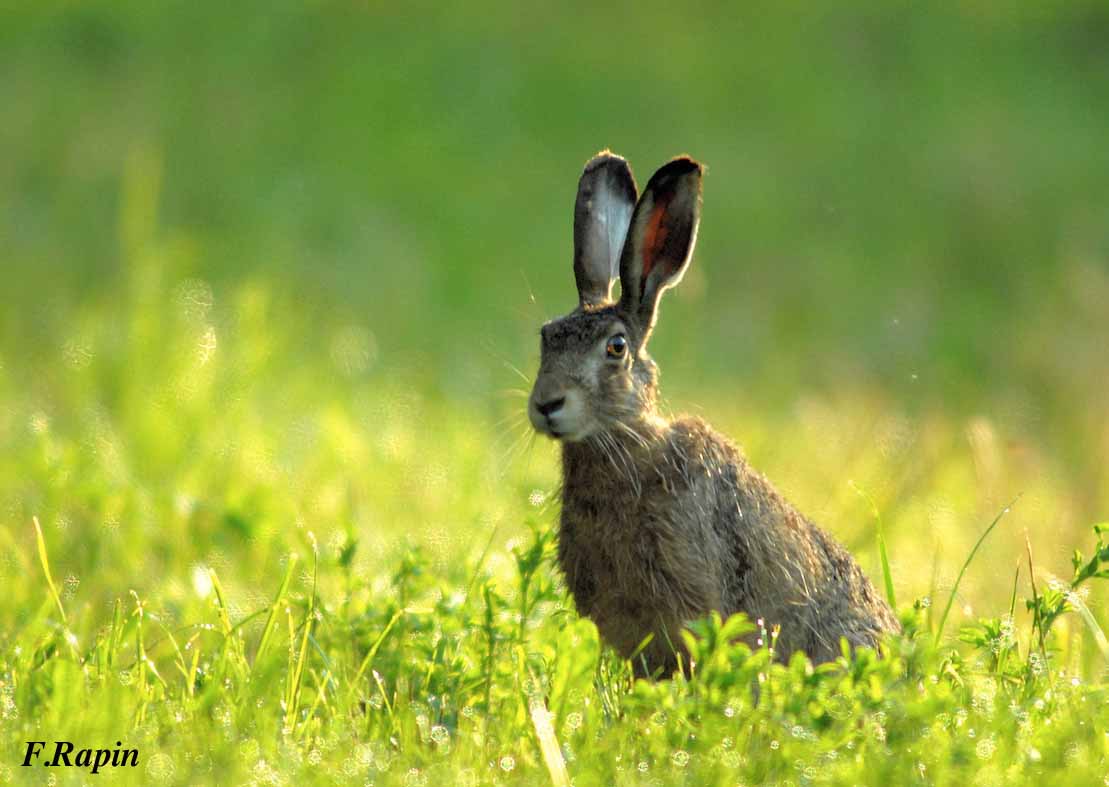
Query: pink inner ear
654, 236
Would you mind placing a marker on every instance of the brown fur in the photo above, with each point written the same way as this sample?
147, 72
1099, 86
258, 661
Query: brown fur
664, 521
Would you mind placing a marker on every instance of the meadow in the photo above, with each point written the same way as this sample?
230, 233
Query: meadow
270, 510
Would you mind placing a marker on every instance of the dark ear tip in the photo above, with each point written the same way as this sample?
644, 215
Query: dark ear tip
675, 171
683, 165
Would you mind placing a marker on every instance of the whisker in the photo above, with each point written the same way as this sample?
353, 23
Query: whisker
620, 453
530, 452
511, 366
513, 419
487, 346
527, 283
605, 452
509, 456
629, 462
639, 439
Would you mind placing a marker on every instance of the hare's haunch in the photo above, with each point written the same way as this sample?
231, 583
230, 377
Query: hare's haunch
664, 521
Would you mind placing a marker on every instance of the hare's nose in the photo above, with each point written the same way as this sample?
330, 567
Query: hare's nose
547, 408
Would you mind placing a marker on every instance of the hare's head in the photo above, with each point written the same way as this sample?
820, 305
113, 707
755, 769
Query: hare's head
594, 370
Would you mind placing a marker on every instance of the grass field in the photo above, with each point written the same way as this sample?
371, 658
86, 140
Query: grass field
272, 281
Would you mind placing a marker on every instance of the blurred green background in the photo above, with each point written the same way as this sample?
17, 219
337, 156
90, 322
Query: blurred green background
268, 268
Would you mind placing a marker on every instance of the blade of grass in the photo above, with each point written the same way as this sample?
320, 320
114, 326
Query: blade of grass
221, 603
297, 675
45, 561
369, 659
932, 580
271, 619
966, 564
232, 643
548, 742
887, 575
1037, 620
1099, 635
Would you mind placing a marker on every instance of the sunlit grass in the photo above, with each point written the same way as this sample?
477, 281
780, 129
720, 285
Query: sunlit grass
259, 566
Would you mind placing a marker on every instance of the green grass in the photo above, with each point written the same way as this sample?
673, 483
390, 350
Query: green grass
271, 282
254, 572
425, 682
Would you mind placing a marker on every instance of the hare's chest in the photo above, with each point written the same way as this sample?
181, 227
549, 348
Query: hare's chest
615, 557
621, 576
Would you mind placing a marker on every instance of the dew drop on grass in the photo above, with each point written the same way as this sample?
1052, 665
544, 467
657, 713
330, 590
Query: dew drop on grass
573, 720
985, 748
249, 749
8, 709
125, 677
201, 580
193, 299
508, 762
1036, 664
680, 758
774, 745
77, 354
206, 345
40, 422
160, 767
364, 754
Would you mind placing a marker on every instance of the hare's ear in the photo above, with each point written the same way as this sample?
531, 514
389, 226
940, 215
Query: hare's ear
661, 238
606, 199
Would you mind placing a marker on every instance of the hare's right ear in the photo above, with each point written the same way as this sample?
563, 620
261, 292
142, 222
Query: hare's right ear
602, 213
661, 238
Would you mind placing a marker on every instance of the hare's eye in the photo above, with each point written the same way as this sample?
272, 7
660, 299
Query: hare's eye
616, 346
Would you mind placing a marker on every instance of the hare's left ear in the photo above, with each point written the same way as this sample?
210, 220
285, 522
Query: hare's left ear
606, 198
661, 238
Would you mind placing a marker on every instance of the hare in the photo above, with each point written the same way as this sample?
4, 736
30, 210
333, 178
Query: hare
663, 521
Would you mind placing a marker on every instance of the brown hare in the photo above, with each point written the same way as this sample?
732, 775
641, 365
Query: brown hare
663, 521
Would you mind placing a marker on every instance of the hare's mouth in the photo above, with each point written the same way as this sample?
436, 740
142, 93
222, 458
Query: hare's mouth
565, 435
560, 417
